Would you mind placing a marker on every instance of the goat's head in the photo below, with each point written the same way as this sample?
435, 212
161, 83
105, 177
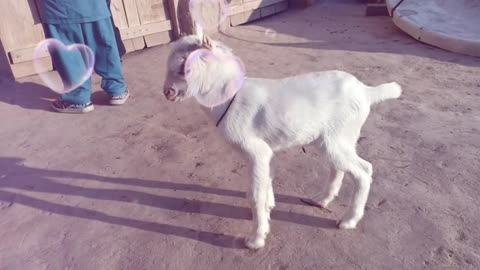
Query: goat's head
200, 67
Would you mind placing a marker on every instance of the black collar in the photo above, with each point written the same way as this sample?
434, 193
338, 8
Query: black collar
226, 110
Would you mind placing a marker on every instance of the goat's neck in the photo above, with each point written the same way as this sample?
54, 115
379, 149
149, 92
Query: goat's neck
215, 113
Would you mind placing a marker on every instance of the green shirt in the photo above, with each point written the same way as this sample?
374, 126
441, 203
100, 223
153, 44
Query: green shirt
73, 11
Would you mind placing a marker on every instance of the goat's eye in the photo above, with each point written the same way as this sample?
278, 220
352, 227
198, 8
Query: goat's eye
182, 70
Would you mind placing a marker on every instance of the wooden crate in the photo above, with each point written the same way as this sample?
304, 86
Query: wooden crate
20, 32
140, 23
243, 11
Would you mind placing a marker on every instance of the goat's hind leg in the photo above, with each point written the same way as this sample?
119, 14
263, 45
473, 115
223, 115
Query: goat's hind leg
334, 183
346, 159
324, 198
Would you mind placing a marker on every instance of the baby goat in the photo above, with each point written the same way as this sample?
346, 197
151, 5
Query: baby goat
326, 109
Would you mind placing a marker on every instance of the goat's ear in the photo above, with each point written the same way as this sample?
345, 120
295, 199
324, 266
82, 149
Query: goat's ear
199, 31
182, 65
207, 42
198, 62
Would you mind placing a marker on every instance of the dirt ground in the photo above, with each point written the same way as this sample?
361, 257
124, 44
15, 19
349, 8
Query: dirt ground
150, 185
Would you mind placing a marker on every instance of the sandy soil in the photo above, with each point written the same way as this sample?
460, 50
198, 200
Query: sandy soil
150, 185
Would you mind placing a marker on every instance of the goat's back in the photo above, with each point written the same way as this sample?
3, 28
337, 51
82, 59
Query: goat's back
297, 110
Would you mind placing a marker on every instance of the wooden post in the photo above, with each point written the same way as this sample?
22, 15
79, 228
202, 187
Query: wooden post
172, 9
182, 21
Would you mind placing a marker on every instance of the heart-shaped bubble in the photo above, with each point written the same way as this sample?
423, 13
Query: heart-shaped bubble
77, 60
203, 12
225, 86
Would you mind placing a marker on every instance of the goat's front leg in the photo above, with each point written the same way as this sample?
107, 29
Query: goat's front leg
260, 196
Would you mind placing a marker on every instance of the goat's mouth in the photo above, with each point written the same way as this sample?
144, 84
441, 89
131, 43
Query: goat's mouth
172, 95
172, 98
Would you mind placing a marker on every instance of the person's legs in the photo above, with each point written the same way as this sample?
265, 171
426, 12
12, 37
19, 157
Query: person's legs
100, 37
66, 64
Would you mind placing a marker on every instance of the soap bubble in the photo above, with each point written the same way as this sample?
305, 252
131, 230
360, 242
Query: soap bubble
79, 62
201, 11
216, 64
270, 33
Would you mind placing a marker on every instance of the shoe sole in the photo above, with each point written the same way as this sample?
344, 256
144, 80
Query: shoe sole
85, 110
119, 101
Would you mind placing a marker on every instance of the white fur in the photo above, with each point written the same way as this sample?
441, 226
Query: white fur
326, 109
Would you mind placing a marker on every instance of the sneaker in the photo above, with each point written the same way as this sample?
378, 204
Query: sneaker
120, 100
68, 107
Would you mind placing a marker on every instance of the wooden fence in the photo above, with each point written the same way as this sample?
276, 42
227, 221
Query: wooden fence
139, 23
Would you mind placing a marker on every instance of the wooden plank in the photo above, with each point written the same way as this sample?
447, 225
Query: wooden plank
146, 29
245, 17
138, 43
133, 39
131, 11
18, 27
25, 69
118, 13
145, 18
24, 55
150, 11
236, 9
158, 38
129, 45
263, 11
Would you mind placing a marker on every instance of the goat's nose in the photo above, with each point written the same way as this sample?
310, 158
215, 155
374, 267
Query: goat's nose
168, 92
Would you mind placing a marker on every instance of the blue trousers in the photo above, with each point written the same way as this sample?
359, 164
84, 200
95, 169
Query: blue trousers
100, 37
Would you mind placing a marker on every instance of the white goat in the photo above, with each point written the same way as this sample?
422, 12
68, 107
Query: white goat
325, 108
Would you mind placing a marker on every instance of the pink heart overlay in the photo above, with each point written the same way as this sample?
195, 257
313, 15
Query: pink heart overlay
83, 63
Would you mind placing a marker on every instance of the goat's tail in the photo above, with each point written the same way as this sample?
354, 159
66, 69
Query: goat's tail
384, 91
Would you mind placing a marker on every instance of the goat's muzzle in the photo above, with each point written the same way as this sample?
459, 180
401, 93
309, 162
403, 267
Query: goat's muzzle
170, 94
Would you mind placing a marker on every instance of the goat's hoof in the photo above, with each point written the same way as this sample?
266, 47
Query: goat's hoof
324, 203
254, 242
321, 205
347, 224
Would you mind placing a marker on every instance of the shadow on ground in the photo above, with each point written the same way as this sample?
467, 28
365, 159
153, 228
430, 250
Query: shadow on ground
16, 176
27, 95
